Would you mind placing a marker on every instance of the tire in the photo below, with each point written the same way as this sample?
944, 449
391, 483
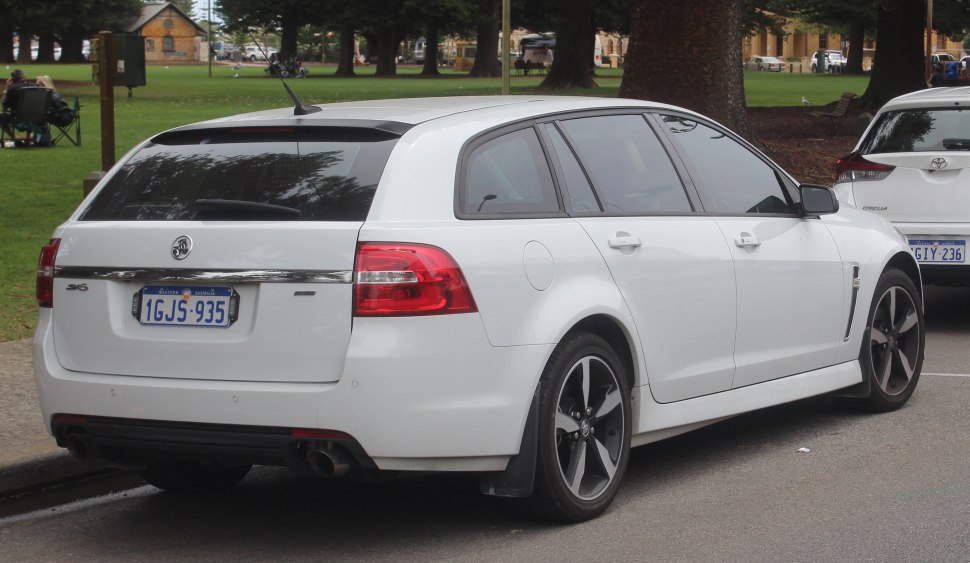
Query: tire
893, 343
583, 431
193, 477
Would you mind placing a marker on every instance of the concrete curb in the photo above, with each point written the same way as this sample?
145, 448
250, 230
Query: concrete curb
44, 471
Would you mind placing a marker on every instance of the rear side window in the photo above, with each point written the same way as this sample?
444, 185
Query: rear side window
631, 171
272, 175
508, 174
918, 130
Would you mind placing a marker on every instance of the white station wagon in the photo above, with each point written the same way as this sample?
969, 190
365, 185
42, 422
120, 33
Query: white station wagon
519, 287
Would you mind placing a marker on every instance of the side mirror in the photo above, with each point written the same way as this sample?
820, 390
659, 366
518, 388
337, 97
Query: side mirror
818, 200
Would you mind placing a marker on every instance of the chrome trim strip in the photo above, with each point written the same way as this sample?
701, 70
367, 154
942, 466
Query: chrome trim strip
189, 275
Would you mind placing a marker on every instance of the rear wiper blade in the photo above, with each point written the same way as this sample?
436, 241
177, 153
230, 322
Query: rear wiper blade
957, 144
242, 206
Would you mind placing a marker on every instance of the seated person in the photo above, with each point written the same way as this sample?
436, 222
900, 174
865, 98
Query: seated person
11, 100
59, 112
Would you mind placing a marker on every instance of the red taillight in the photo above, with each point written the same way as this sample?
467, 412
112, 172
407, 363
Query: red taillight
45, 273
408, 279
853, 167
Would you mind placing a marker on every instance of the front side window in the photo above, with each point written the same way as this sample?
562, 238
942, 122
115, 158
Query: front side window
734, 179
508, 174
919, 130
168, 43
630, 169
245, 176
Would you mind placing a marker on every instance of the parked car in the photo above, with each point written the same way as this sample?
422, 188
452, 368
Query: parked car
764, 63
963, 61
942, 58
253, 53
912, 166
834, 60
520, 287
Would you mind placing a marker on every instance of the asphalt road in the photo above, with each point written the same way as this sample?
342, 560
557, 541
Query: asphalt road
890, 487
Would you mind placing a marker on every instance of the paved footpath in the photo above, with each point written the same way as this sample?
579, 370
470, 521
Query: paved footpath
28, 455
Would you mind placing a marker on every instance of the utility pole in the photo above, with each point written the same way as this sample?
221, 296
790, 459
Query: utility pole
506, 42
208, 19
929, 38
106, 77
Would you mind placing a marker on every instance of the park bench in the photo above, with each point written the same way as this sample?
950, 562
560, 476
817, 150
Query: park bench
523, 67
838, 112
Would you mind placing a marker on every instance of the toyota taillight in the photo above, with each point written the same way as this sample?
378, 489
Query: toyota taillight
853, 167
45, 273
407, 279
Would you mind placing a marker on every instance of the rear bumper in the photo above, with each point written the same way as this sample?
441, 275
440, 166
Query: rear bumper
415, 394
135, 443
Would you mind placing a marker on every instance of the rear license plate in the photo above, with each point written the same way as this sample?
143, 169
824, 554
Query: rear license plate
185, 306
939, 251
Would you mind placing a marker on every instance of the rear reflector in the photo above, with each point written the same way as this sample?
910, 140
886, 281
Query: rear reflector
70, 419
854, 167
45, 274
320, 434
408, 279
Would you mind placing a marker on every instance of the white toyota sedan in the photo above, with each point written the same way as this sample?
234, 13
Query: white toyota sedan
912, 166
520, 287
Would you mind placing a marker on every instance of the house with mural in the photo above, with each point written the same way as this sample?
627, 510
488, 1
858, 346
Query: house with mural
170, 35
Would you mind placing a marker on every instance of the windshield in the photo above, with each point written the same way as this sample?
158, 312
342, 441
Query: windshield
288, 175
919, 130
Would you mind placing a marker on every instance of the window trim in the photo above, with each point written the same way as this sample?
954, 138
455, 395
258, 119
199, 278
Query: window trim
461, 174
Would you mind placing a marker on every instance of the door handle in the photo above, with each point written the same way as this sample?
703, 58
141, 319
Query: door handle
747, 240
625, 242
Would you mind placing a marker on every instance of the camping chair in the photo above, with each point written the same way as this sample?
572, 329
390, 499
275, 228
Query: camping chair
72, 129
32, 114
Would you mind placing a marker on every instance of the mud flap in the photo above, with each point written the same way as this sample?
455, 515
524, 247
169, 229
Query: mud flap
519, 474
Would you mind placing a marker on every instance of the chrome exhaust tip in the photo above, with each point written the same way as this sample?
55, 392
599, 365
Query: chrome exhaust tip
329, 462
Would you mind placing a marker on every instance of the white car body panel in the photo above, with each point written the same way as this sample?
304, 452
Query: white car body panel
805, 296
680, 281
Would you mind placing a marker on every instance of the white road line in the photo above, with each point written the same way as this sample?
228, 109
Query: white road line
948, 374
70, 507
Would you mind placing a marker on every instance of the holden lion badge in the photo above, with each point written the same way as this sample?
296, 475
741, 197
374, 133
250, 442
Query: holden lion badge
181, 247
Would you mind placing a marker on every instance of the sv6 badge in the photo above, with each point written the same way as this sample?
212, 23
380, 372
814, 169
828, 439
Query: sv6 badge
77, 287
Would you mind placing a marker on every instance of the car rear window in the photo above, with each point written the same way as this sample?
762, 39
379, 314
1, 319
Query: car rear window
290, 174
919, 130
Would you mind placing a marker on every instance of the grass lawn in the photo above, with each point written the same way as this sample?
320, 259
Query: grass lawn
39, 188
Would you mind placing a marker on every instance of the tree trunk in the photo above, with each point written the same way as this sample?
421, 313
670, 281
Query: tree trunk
345, 60
430, 67
574, 33
487, 31
898, 66
857, 40
72, 48
705, 75
290, 26
387, 51
6, 43
23, 55
45, 48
